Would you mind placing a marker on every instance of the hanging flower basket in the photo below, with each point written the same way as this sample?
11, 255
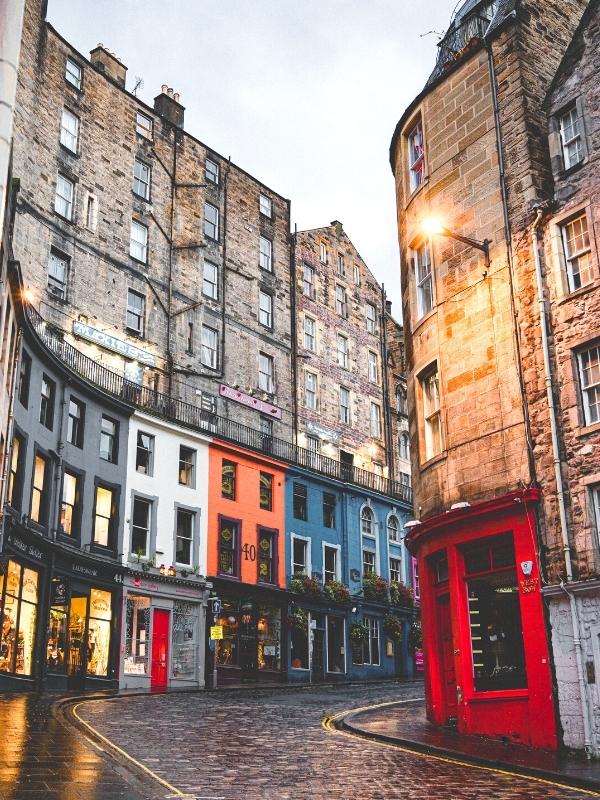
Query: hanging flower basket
392, 627
305, 584
375, 588
401, 595
415, 637
336, 591
359, 632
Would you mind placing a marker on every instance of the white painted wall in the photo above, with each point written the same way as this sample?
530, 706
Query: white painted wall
164, 485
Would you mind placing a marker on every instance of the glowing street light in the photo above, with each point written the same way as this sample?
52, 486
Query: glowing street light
432, 226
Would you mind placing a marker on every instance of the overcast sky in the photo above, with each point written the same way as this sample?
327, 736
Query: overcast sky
304, 95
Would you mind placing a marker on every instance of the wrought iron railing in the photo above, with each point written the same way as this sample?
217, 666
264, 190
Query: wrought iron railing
459, 40
179, 411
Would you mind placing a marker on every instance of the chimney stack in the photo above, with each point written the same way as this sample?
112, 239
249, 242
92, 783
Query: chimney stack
108, 64
339, 228
168, 106
388, 307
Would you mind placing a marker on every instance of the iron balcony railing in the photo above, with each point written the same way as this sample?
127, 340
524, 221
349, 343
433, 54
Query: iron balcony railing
460, 39
162, 405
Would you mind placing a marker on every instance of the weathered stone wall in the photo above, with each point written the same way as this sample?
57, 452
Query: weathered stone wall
398, 405
101, 269
369, 452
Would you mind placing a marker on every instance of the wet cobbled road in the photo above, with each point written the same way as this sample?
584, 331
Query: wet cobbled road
271, 746
255, 745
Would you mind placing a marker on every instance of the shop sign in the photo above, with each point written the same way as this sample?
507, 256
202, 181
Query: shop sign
250, 401
59, 592
419, 660
187, 592
109, 342
23, 547
92, 572
321, 432
216, 632
529, 585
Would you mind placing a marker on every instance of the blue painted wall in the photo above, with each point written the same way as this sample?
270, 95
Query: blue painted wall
350, 501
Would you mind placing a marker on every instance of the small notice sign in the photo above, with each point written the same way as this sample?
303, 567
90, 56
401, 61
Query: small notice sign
216, 631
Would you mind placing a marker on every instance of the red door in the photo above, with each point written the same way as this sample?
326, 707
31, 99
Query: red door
160, 649
448, 675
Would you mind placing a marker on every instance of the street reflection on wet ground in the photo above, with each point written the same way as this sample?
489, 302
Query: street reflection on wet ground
40, 757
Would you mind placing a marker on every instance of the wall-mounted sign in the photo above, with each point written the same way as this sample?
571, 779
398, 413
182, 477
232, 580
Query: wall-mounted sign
59, 592
251, 402
321, 432
109, 342
216, 632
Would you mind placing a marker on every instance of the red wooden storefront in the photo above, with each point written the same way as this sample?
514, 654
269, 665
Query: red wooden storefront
486, 651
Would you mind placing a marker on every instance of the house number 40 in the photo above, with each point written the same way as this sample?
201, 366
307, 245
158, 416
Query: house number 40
249, 551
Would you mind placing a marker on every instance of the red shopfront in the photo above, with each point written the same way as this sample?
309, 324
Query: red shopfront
486, 651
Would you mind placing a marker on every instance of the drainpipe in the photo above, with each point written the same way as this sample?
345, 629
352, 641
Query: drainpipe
294, 335
387, 414
564, 528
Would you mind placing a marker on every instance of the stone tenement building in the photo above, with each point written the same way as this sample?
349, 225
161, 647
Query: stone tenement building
341, 376
470, 159
397, 405
151, 251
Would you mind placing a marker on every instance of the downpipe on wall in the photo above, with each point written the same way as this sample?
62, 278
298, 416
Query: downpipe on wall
564, 528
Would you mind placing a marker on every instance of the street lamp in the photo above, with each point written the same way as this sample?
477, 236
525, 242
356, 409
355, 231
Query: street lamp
433, 227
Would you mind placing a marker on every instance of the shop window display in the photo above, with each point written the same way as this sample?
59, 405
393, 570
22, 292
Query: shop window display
137, 636
299, 639
98, 643
251, 636
18, 604
57, 648
185, 625
268, 634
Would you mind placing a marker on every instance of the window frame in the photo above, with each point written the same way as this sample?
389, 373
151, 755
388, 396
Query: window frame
373, 367
68, 201
397, 570
344, 363
424, 282
211, 175
68, 133
192, 514
329, 510
77, 83
578, 138
113, 453
190, 466
307, 566
47, 403
341, 301
308, 284
568, 258
273, 534
213, 294
267, 204
337, 571
265, 253
140, 181
265, 313
210, 227
24, 378
142, 244
415, 155
300, 497
206, 348
266, 479
270, 382
16, 471
131, 311
236, 550
43, 506
57, 287
371, 319
344, 411
395, 539
76, 430
112, 519
145, 131
591, 388
432, 416
76, 507
149, 450
148, 502
225, 462
375, 420
309, 338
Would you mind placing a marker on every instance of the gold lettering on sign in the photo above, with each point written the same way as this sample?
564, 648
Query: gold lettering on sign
529, 585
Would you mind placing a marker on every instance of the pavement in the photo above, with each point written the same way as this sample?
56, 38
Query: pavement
246, 744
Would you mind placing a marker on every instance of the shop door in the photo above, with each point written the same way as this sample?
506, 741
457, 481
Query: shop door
446, 654
160, 649
77, 661
317, 663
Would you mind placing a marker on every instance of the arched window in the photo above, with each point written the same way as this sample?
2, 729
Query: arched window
366, 522
404, 447
401, 406
393, 527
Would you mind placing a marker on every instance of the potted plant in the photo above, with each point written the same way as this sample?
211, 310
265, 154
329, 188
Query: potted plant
336, 591
392, 627
375, 588
401, 595
415, 636
305, 584
359, 632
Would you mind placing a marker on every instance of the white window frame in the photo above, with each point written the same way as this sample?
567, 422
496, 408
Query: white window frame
341, 268
569, 123
310, 333
590, 391
150, 504
211, 175
423, 270
144, 130
595, 500
211, 225
432, 412
396, 539
69, 132
346, 416
338, 559
138, 247
404, 446
577, 277
135, 312
57, 286
416, 156
323, 255
400, 571
375, 420
307, 543
265, 255
64, 196
343, 354
311, 393
373, 625
207, 283
371, 318
73, 76
308, 286
265, 206
209, 347
341, 301
265, 315
141, 183
356, 275
373, 366
269, 386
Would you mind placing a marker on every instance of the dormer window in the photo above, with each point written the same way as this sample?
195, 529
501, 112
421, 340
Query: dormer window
416, 156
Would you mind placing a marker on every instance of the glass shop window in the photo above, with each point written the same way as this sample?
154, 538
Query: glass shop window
299, 639
19, 608
336, 654
228, 548
495, 616
137, 636
267, 549
268, 638
98, 640
185, 625
227, 647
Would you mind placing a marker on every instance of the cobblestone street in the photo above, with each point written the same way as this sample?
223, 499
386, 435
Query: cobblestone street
270, 745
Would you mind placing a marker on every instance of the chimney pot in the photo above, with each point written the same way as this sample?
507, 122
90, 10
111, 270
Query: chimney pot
108, 63
168, 106
164, 88
170, 92
176, 97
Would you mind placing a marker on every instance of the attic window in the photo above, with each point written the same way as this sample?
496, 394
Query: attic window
570, 137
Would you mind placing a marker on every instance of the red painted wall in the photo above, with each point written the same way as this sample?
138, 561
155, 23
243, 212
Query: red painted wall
245, 507
522, 715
